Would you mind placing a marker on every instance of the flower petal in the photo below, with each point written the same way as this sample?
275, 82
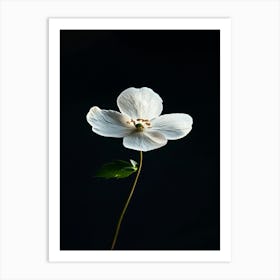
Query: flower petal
109, 123
144, 141
173, 126
140, 103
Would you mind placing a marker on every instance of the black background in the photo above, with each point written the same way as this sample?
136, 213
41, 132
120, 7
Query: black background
176, 204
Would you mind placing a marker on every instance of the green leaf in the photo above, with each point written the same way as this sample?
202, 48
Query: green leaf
117, 169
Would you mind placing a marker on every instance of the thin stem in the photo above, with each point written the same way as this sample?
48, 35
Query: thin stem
127, 202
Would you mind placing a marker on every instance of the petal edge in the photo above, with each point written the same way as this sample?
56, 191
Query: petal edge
141, 103
173, 126
108, 123
145, 142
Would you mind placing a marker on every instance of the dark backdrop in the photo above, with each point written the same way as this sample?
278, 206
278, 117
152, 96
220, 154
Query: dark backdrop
176, 204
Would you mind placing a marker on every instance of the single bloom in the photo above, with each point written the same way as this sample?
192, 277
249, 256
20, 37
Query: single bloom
139, 121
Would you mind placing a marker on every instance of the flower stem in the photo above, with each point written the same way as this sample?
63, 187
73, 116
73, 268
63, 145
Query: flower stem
127, 202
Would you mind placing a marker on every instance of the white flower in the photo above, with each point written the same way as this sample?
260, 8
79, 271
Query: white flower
139, 121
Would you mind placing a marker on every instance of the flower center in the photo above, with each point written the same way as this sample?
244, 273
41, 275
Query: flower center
140, 124
139, 127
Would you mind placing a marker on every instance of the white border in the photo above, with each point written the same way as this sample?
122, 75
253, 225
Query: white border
55, 255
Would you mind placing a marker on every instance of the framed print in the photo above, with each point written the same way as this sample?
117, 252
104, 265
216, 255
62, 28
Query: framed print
31, 123
139, 139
